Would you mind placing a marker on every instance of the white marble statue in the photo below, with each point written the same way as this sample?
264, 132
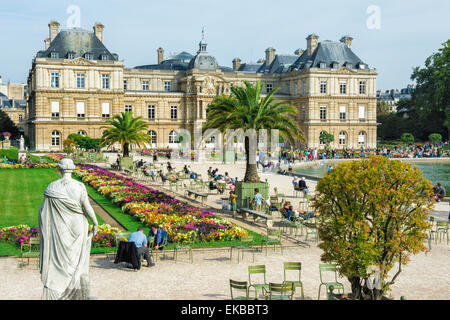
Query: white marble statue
22, 143
65, 242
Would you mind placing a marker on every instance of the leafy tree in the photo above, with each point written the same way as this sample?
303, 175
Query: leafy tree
246, 109
407, 138
383, 108
373, 212
326, 138
126, 130
69, 145
7, 125
391, 126
435, 138
85, 143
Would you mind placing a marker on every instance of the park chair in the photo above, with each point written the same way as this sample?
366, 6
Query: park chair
279, 291
441, 230
273, 238
180, 247
245, 245
329, 268
242, 286
311, 229
294, 266
275, 190
163, 246
27, 252
257, 270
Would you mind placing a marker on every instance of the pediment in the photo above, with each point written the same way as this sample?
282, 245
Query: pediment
80, 62
345, 70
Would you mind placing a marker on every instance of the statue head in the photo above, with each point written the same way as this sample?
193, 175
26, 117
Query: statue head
66, 165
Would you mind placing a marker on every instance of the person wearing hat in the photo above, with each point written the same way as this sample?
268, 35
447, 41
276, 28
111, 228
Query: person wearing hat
302, 186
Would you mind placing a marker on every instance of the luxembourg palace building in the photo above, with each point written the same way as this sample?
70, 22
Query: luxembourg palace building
76, 84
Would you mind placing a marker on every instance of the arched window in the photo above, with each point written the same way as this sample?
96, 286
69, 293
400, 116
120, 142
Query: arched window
320, 140
342, 137
83, 133
361, 137
152, 135
173, 137
55, 138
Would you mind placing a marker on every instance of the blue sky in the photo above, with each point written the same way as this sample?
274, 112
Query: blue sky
409, 32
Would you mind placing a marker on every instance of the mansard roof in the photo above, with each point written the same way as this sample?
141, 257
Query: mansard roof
79, 42
329, 52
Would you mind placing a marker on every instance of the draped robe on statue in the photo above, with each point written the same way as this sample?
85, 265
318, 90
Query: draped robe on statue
64, 240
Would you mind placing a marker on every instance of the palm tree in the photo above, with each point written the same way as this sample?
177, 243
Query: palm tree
245, 109
126, 130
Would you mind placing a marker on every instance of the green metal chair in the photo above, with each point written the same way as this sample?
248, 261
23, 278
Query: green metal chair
311, 229
27, 252
273, 238
245, 245
294, 266
155, 252
180, 247
242, 286
255, 270
330, 268
279, 291
441, 230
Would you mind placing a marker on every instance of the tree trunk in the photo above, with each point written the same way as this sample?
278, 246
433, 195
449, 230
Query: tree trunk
362, 292
251, 170
356, 287
126, 151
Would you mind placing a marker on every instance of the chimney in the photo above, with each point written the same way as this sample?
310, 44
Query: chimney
53, 30
98, 30
347, 40
311, 43
236, 64
270, 55
160, 52
299, 52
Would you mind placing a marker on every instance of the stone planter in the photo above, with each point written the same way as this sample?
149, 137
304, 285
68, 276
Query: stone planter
246, 190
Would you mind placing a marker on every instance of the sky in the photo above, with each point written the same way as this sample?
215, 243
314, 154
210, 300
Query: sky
393, 36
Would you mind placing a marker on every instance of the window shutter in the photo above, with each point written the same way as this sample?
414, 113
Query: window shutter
55, 106
342, 109
80, 107
105, 108
362, 112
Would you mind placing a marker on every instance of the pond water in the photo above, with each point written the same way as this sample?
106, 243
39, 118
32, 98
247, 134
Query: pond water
435, 171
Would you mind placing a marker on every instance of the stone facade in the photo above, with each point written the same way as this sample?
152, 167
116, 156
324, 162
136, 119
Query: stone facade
175, 93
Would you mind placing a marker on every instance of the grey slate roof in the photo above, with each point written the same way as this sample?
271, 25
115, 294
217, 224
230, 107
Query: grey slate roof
79, 42
250, 67
280, 64
328, 52
12, 103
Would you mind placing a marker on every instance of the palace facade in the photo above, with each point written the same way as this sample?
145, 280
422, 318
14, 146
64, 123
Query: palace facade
76, 84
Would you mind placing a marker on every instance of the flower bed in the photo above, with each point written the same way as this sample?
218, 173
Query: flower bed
22, 233
151, 206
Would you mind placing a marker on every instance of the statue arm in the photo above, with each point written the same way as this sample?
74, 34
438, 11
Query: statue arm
89, 211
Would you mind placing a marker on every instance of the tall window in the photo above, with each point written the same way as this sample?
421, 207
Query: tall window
323, 112
152, 135
55, 109
55, 138
20, 117
320, 139
80, 110
71, 55
362, 112
361, 137
304, 86
342, 113
362, 87
151, 112
323, 87
54, 55
145, 85
128, 108
105, 81
269, 87
80, 80
167, 85
303, 113
173, 137
54, 79
173, 112
342, 87
342, 137
124, 84
105, 110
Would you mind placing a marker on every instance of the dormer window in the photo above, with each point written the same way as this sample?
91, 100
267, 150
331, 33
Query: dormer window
322, 65
89, 56
349, 65
71, 55
54, 55
335, 65
362, 66
105, 57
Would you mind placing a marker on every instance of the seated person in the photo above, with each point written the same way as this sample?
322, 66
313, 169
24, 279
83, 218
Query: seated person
440, 192
215, 172
295, 183
140, 241
285, 208
186, 170
220, 184
232, 187
210, 172
173, 178
302, 186
158, 237
192, 175
227, 178
163, 177
289, 213
212, 184
169, 167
